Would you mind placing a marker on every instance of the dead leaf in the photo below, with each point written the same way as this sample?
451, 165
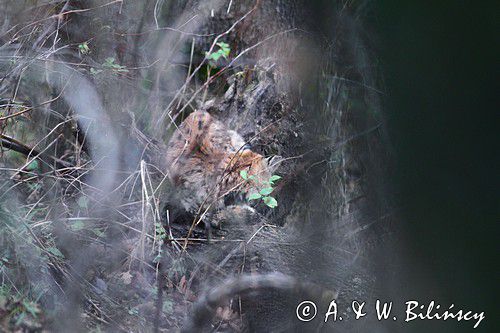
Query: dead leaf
183, 284
126, 278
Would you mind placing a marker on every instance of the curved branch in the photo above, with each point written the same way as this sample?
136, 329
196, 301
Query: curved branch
13, 144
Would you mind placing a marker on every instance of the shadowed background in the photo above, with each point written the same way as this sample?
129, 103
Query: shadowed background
440, 63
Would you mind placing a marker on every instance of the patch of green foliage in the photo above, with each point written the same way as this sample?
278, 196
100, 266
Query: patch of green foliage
263, 189
110, 65
83, 48
17, 306
222, 52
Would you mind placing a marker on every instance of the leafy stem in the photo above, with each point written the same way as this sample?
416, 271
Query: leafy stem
262, 189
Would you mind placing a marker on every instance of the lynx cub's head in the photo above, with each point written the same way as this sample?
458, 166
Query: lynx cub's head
258, 168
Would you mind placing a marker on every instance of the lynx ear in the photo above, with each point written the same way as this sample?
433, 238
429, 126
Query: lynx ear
245, 158
250, 158
239, 160
247, 154
274, 162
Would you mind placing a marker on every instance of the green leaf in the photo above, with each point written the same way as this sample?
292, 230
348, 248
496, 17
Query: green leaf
274, 178
270, 201
168, 306
110, 63
244, 174
83, 202
224, 52
157, 259
31, 307
94, 71
34, 187
254, 196
55, 251
98, 232
223, 45
33, 165
224, 49
215, 56
266, 191
77, 225
84, 48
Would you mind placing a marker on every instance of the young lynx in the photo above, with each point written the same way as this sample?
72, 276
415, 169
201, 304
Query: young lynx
204, 161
